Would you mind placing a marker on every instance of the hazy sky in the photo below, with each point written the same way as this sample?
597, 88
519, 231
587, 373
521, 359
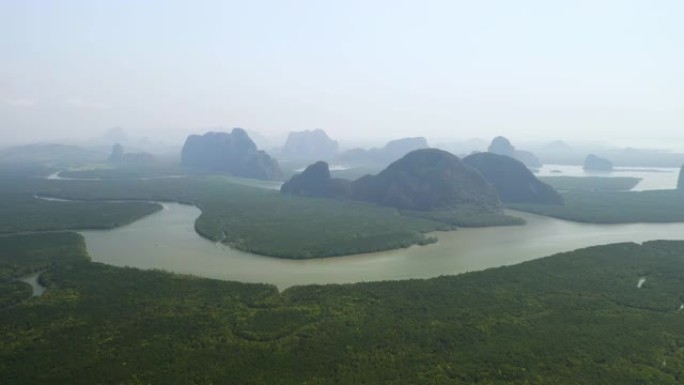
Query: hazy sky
460, 69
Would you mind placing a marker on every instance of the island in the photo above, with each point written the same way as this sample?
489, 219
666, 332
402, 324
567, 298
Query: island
596, 163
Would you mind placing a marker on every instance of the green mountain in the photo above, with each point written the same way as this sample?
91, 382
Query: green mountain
514, 182
315, 181
428, 179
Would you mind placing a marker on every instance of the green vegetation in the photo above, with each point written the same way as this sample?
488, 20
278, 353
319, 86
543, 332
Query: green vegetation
428, 180
600, 183
465, 216
59, 155
299, 228
429, 183
22, 210
23, 254
13, 170
13, 293
251, 219
614, 207
265, 222
126, 171
568, 319
248, 218
26, 213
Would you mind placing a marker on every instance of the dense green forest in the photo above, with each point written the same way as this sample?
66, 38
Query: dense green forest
126, 171
23, 254
572, 318
21, 208
24, 212
599, 183
614, 207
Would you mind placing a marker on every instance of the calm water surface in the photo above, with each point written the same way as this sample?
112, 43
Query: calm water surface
32, 279
652, 178
167, 240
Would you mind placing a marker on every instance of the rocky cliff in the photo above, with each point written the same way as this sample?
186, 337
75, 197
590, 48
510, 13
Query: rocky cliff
312, 145
234, 153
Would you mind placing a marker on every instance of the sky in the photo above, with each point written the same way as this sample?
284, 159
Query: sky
451, 69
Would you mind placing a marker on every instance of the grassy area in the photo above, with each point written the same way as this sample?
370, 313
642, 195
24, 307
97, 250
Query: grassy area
573, 318
615, 207
565, 183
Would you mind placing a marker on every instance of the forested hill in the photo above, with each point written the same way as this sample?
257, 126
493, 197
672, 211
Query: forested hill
513, 181
428, 179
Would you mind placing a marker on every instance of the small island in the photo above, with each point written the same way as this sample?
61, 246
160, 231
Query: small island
596, 163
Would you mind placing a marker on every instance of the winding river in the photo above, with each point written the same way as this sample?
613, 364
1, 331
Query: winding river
167, 240
32, 279
652, 178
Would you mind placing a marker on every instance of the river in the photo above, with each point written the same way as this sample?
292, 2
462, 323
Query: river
167, 240
32, 279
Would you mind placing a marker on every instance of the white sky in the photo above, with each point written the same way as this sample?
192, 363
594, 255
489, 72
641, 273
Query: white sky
598, 69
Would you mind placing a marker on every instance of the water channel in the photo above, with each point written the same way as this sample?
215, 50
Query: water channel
167, 240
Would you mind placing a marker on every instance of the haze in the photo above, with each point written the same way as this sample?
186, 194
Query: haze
608, 70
